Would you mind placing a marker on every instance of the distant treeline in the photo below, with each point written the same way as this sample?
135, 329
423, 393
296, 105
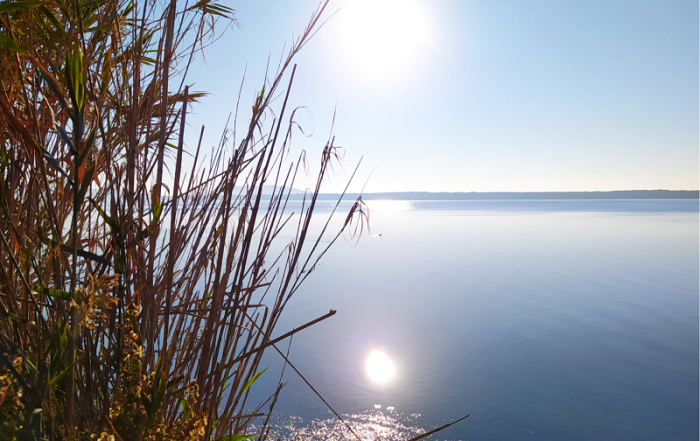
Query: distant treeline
422, 195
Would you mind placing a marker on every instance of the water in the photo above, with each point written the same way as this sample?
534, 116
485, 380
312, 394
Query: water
543, 320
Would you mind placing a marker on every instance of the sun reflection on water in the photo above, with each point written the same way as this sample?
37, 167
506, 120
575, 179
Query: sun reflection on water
379, 367
369, 426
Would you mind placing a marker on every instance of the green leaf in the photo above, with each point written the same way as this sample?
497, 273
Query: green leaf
57, 293
57, 344
29, 364
236, 437
18, 6
222, 388
152, 403
16, 317
59, 339
209, 7
148, 61
128, 8
251, 381
11, 45
108, 219
157, 211
76, 75
65, 372
106, 70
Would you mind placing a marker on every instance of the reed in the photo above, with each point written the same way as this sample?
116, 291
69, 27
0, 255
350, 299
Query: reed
137, 304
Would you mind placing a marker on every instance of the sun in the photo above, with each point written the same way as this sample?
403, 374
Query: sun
382, 37
379, 367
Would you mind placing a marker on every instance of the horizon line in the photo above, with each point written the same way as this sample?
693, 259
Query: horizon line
610, 194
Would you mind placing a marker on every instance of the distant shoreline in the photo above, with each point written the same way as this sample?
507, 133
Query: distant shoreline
549, 195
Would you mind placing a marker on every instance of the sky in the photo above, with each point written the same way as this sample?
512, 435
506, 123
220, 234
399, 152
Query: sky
476, 95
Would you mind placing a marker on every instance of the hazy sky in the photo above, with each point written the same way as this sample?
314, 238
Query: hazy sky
480, 95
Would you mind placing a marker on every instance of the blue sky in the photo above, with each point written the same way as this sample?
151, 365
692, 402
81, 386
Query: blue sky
479, 95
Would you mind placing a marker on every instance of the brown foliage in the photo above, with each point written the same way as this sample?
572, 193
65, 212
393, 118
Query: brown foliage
136, 310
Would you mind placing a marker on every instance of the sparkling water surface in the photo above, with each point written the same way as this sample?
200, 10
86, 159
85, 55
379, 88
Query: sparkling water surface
543, 320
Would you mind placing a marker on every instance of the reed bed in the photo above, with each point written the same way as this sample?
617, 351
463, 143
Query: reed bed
139, 288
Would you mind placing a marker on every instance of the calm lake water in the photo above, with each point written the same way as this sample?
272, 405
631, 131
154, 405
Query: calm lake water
543, 320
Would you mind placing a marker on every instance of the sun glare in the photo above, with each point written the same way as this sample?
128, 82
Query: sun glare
382, 37
379, 367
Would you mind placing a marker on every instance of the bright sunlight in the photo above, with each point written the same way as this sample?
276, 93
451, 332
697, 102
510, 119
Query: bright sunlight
379, 367
383, 37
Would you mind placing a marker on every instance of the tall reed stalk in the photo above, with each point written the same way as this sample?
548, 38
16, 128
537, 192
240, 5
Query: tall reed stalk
135, 303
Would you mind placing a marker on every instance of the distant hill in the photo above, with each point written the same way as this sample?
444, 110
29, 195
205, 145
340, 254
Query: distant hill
419, 196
